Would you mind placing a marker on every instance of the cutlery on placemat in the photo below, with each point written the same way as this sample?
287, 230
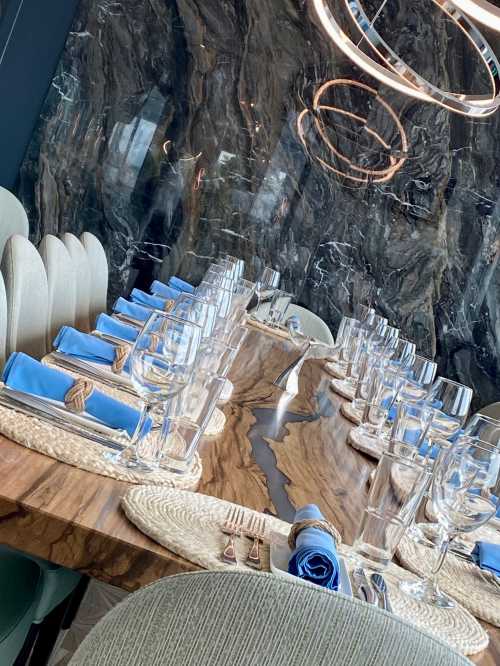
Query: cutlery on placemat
380, 586
232, 526
255, 530
487, 576
363, 588
111, 338
77, 365
128, 320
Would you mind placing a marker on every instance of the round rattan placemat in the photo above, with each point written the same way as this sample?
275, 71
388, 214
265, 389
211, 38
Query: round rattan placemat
343, 389
335, 369
370, 445
347, 410
189, 524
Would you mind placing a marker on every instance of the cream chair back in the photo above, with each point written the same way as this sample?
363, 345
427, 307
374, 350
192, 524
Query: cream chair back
61, 280
27, 297
99, 275
3, 322
13, 218
83, 275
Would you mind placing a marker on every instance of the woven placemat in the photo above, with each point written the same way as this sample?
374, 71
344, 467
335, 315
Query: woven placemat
189, 524
360, 441
278, 332
458, 578
227, 392
87, 455
347, 410
335, 369
342, 388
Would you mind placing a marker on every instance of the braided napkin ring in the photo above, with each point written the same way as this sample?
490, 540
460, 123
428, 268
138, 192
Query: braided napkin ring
168, 307
322, 525
77, 396
121, 355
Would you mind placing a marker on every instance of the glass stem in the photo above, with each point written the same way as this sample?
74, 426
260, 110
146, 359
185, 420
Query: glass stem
146, 411
443, 551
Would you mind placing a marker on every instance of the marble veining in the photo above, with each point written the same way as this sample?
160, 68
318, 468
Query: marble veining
170, 131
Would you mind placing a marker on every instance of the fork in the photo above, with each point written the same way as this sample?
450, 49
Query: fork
232, 526
256, 529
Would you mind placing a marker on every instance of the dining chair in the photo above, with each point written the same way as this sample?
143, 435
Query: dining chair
61, 280
217, 618
83, 274
310, 323
13, 218
32, 595
99, 275
3, 322
27, 296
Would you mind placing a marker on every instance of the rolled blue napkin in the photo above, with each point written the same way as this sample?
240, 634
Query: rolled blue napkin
148, 300
157, 288
23, 373
118, 329
85, 346
133, 310
181, 285
315, 557
487, 556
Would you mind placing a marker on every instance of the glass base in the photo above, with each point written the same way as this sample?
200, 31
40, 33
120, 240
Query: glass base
426, 592
128, 459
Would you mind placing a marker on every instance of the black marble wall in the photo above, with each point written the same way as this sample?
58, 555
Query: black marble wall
170, 131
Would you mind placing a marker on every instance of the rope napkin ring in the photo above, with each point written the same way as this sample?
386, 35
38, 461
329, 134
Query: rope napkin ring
121, 355
322, 525
168, 307
77, 396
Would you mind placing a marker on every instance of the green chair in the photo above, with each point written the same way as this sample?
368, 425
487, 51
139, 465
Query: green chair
254, 619
30, 590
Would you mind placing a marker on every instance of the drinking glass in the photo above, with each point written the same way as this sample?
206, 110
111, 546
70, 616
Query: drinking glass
221, 297
453, 402
193, 411
395, 493
368, 362
419, 379
243, 291
354, 339
278, 307
404, 353
411, 426
195, 309
485, 428
268, 282
162, 361
391, 337
238, 266
384, 389
463, 500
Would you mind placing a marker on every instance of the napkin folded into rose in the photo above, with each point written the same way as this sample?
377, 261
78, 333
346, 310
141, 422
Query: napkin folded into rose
166, 291
315, 556
87, 347
26, 374
117, 329
149, 300
181, 285
487, 556
132, 310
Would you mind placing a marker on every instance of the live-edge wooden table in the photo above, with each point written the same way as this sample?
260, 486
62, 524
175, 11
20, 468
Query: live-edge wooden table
276, 453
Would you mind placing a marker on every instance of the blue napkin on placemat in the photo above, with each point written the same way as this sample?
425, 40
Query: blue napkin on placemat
315, 557
148, 300
157, 288
85, 346
23, 373
487, 556
132, 310
181, 285
118, 329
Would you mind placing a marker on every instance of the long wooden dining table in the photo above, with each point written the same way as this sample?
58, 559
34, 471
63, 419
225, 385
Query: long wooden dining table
277, 452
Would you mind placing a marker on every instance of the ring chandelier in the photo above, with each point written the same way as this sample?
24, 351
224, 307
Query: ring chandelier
398, 75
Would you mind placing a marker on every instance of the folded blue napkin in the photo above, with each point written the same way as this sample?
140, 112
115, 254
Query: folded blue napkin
133, 310
487, 556
118, 329
181, 285
23, 373
315, 557
157, 288
148, 300
85, 346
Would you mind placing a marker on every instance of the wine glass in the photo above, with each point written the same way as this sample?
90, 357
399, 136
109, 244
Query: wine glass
268, 282
197, 310
419, 380
485, 428
453, 400
463, 499
162, 361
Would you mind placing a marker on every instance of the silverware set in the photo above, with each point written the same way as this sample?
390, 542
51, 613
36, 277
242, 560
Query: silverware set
374, 590
234, 527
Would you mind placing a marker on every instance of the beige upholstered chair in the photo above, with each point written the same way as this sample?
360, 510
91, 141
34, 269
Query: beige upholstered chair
3, 322
83, 274
27, 297
13, 218
254, 619
61, 279
99, 275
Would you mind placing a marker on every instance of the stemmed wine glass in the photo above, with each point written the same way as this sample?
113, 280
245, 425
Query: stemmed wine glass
162, 361
463, 499
268, 282
453, 400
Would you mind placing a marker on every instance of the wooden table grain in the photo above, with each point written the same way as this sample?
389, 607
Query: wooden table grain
275, 454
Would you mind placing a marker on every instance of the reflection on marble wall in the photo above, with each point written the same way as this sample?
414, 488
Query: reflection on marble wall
170, 130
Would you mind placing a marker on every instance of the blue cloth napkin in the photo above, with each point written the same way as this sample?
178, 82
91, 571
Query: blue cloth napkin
132, 310
157, 288
148, 300
181, 285
23, 373
85, 346
315, 557
118, 329
487, 556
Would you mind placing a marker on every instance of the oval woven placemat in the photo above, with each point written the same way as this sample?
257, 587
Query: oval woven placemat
360, 441
342, 388
278, 332
82, 453
335, 369
352, 415
458, 578
189, 524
